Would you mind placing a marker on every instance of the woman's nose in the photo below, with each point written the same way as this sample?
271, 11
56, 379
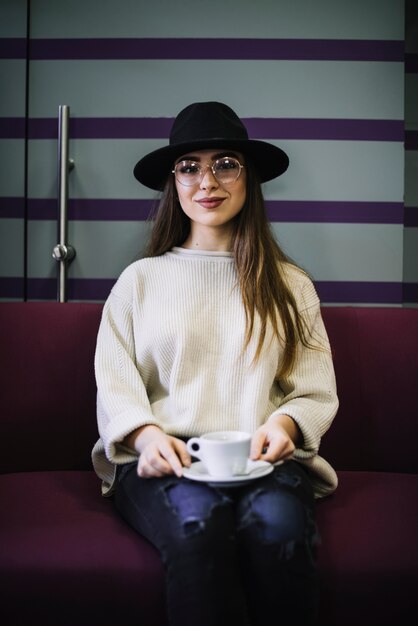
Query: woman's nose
208, 179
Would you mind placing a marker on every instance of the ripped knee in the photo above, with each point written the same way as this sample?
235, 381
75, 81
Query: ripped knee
193, 505
280, 520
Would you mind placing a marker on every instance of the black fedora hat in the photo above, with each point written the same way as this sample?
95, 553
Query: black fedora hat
209, 125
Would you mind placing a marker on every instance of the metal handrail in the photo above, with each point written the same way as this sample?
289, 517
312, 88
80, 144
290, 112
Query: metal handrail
63, 253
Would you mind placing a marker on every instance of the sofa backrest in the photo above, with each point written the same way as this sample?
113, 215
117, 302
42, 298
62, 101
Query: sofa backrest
48, 392
376, 363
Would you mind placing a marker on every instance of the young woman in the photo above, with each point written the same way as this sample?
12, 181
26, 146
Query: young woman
216, 330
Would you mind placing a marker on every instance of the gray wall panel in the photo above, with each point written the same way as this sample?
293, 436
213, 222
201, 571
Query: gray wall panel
411, 100
13, 87
379, 19
42, 238
12, 152
320, 170
328, 251
345, 251
103, 249
254, 88
337, 170
11, 247
411, 255
13, 18
42, 169
411, 177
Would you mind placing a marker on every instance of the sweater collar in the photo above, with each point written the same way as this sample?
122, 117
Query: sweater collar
202, 254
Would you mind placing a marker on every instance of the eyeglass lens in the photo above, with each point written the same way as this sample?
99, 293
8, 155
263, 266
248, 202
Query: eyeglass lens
225, 170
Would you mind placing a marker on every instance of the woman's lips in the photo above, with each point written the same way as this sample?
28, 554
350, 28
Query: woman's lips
210, 203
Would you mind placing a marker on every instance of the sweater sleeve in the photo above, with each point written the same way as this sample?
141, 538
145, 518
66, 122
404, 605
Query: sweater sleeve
309, 394
122, 401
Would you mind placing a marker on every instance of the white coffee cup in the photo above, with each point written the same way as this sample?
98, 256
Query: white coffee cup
224, 453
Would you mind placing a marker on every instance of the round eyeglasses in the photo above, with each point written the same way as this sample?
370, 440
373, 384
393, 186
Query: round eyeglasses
226, 170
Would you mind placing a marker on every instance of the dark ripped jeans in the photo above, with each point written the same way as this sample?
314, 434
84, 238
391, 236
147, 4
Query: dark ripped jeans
233, 557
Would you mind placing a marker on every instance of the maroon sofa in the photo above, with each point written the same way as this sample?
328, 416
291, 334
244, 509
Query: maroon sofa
66, 559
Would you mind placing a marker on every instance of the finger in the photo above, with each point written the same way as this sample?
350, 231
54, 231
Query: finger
169, 452
258, 442
279, 449
146, 471
154, 460
182, 452
288, 454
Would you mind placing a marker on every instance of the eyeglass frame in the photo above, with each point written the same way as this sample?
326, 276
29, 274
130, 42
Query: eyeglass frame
207, 166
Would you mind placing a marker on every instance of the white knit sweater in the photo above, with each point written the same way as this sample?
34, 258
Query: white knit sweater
170, 352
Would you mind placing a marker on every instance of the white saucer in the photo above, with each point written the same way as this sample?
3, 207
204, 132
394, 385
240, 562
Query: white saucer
256, 469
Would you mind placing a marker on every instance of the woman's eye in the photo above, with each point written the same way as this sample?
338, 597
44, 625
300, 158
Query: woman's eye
227, 164
189, 168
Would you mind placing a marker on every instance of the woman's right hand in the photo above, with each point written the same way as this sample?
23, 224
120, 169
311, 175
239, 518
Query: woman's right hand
159, 453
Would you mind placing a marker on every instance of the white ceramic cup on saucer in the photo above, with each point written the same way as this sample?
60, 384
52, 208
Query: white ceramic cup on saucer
224, 453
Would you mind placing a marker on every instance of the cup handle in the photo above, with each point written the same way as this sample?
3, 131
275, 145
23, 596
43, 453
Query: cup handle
193, 447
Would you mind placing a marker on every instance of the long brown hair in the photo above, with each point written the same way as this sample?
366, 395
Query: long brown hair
259, 261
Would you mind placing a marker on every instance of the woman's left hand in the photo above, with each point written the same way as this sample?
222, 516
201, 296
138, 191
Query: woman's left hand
275, 440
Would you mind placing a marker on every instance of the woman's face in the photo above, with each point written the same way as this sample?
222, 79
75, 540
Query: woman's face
211, 203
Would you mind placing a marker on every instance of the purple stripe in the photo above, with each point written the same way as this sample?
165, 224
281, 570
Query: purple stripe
343, 129
411, 140
411, 63
278, 210
329, 291
259, 128
92, 209
335, 212
46, 288
12, 127
410, 292
90, 288
411, 216
42, 289
11, 287
12, 48
213, 48
122, 127
13, 208
78, 288
360, 292
47, 128
104, 128
186, 48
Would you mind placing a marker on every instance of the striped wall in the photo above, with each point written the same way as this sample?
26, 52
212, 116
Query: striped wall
410, 274
13, 27
325, 80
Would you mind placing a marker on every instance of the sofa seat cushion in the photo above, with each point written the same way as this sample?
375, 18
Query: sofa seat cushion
61, 539
368, 554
